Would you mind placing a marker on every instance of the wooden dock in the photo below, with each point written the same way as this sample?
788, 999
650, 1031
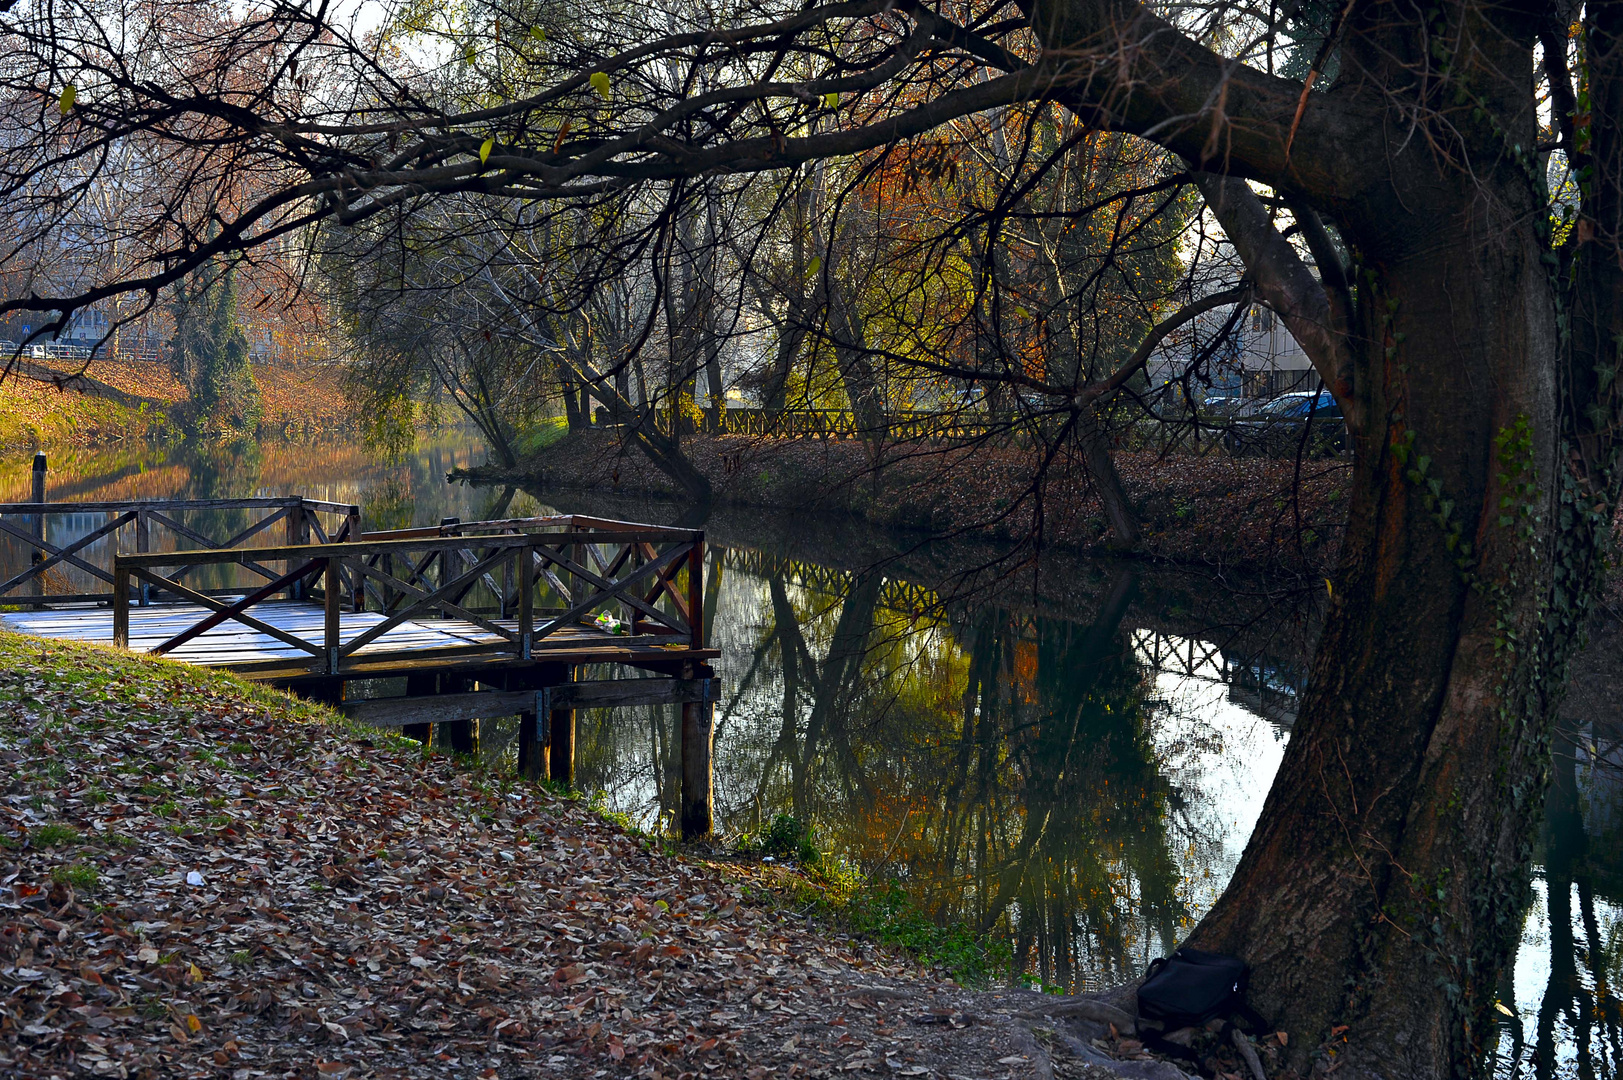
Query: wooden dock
460, 622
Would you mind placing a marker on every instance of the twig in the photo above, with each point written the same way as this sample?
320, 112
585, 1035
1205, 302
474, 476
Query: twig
874, 873
1248, 1052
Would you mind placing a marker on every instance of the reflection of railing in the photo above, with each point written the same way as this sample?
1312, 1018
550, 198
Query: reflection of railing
494, 582
1277, 687
146, 526
895, 594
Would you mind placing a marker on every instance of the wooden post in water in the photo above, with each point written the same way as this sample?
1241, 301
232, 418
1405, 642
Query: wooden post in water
37, 526
698, 775
457, 736
532, 746
561, 736
420, 685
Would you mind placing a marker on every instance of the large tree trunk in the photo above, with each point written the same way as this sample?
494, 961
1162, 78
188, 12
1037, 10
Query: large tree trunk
1390, 861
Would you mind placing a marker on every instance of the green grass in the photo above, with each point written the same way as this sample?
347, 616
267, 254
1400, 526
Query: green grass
78, 875
53, 836
540, 435
882, 911
889, 915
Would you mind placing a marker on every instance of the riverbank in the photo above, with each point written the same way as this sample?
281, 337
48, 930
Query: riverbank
1208, 509
203, 876
114, 401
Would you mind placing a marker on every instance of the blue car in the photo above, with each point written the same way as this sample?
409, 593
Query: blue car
1310, 421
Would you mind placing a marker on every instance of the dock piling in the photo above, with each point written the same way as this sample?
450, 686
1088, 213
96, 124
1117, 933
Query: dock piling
698, 774
561, 739
532, 747
420, 685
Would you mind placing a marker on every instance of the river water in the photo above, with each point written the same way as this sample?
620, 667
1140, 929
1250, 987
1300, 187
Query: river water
1073, 759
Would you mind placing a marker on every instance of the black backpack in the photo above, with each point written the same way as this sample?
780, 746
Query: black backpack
1191, 988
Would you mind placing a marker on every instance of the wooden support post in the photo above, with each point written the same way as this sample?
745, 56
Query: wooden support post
696, 594
326, 691
457, 736
334, 610
526, 601
532, 749
698, 776
143, 544
561, 736
37, 526
420, 685
121, 607
298, 532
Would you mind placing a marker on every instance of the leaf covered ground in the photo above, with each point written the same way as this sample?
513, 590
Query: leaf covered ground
203, 878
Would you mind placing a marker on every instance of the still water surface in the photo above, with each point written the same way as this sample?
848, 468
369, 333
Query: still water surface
1073, 760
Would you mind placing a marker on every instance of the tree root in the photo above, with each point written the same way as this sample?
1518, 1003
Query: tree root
1087, 1009
1248, 1052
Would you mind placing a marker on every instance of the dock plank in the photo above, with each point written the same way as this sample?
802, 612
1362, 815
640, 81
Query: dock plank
236, 647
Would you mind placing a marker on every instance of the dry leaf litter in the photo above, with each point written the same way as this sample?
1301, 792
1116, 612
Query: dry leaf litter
202, 878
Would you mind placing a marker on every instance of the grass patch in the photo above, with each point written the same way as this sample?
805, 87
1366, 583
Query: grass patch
79, 875
53, 836
882, 911
540, 435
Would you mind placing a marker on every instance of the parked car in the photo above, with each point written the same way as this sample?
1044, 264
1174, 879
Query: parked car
1279, 427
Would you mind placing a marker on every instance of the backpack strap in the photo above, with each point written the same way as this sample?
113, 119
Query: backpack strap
1252, 1018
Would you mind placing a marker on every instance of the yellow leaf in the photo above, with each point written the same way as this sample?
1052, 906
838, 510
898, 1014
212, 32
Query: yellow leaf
538, 34
468, 54
1329, 590
814, 265
66, 101
831, 99
195, 972
600, 83
193, 1024
485, 148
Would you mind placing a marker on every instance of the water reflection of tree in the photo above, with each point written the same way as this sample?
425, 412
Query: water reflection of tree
1007, 766
1089, 869
1577, 1028
1000, 764
220, 470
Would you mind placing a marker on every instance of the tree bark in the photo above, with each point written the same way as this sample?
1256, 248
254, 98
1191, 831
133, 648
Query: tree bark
1391, 856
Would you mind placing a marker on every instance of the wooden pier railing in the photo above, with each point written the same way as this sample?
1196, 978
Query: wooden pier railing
510, 590
68, 549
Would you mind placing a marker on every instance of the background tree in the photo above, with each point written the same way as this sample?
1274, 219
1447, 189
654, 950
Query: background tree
209, 355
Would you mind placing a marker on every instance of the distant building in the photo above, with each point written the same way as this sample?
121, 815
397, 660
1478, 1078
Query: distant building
1259, 360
